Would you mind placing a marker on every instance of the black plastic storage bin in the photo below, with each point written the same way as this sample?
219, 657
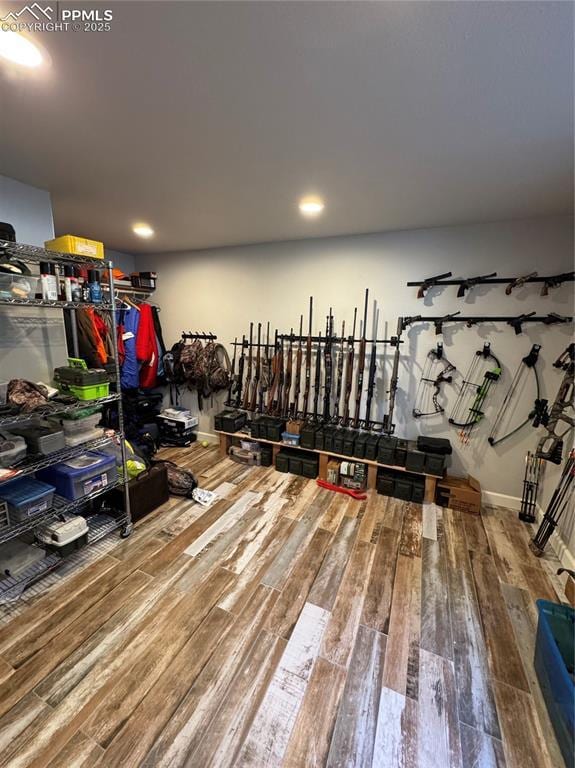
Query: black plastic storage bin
349, 442
415, 460
386, 450
266, 454
330, 433
372, 447
434, 464
295, 465
234, 421
360, 444
400, 453
418, 491
434, 445
258, 427
319, 439
282, 462
402, 488
385, 483
310, 467
274, 429
338, 440
307, 436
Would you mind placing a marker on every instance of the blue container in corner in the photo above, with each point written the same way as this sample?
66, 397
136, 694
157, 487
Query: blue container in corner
554, 664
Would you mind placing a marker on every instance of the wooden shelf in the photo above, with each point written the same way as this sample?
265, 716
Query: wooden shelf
430, 480
370, 462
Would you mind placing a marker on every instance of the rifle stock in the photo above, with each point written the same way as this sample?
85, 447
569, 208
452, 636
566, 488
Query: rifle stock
246, 403
308, 352
255, 387
241, 365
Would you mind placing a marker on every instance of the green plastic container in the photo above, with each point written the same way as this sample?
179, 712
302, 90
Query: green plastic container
93, 392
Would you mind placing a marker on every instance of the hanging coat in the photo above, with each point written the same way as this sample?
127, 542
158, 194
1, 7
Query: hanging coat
146, 348
130, 373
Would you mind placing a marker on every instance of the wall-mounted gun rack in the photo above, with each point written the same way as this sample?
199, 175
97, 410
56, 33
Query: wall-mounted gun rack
516, 322
463, 283
189, 336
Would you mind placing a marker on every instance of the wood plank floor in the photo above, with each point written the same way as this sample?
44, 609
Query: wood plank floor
284, 626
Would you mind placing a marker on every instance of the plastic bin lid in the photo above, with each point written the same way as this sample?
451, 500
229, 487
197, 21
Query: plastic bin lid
23, 490
87, 461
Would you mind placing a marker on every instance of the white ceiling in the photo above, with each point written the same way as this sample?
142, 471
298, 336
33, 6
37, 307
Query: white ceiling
209, 120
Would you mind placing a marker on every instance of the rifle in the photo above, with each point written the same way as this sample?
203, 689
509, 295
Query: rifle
241, 365
555, 281
517, 322
233, 372
465, 285
361, 364
288, 375
349, 371
266, 372
246, 403
519, 282
439, 322
388, 425
317, 382
339, 380
372, 372
254, 400
430, 283
278, 405
328, 365
298, 359
308, 361
275, 376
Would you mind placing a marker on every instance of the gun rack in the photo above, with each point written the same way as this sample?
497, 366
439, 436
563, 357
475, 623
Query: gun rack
470, 320
567, 277
315, 339
188, 336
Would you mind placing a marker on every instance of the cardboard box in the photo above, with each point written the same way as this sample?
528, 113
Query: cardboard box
461, 493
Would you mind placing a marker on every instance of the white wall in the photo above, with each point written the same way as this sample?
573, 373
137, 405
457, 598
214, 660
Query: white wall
223, 289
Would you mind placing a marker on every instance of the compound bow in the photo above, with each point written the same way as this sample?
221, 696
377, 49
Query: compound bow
550, 446
472, 396
430, 385
528, 363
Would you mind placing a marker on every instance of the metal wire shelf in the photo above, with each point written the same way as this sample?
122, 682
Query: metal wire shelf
33, 254
61, 506
80, 405
56, 304
11, 587
34, 464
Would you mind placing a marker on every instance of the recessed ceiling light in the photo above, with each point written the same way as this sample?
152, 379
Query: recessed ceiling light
143, 230
19, 49
311, 206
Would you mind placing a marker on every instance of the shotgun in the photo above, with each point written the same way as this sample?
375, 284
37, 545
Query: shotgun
246, 403
372, 372
255, 388
339, 380
349, 371
328, 365
288, 376
233, 373
308, 361
241, 365
317, 382
361, 364
266, 372
298, 361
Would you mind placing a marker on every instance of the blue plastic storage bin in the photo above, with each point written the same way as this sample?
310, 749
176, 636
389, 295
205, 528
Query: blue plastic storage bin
26, 498
554, 659
81, 475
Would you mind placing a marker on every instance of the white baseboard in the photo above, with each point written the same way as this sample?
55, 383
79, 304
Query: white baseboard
501, 500
208, 436
514, 502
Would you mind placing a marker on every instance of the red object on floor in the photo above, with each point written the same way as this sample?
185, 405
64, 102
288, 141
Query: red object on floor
359, 495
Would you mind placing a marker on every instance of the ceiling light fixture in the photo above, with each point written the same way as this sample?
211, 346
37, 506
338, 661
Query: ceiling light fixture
311, 206
19, 50
142, 229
